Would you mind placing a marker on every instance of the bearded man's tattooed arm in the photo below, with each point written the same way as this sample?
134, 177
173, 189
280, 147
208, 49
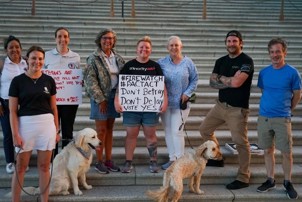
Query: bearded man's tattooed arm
219, 81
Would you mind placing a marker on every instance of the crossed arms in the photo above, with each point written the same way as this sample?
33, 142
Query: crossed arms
222, 82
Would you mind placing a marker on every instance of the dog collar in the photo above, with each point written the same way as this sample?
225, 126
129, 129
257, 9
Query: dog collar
85, 154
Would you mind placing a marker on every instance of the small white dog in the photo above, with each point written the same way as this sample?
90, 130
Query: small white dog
70, 165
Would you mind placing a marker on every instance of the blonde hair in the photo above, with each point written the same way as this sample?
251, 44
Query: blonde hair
144, 39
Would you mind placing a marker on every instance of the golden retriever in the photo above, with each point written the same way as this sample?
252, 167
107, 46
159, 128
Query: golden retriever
191, 165
71, 164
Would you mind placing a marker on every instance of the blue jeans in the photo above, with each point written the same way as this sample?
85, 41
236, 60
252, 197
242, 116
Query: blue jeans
95, 113
140, 118
8, 143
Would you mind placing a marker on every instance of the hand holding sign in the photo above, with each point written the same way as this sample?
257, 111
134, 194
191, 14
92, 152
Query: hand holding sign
141, 93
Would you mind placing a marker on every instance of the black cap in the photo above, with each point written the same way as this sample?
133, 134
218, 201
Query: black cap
234, 33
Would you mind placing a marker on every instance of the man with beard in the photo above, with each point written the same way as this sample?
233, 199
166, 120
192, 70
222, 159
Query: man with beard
232, 75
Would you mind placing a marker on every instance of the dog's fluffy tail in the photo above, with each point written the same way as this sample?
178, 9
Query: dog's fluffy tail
27, 191
159, 195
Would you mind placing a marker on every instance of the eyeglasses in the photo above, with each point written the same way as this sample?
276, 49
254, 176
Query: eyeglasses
107, 38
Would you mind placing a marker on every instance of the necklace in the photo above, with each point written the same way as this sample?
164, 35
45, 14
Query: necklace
35, 80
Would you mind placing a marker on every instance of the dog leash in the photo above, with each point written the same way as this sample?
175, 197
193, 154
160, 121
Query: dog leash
184, 128
192, 99
38, 196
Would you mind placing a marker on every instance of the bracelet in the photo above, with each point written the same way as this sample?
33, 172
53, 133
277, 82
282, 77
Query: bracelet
58, 132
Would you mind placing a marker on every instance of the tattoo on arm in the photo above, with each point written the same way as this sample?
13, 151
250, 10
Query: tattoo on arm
217, 82
226, 80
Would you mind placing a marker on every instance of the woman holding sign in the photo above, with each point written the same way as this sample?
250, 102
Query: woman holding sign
141, 65
62, 58
101, 80
181, 79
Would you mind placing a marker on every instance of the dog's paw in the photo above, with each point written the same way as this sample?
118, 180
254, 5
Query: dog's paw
199, 192
65, 193
191, 190
78, 193
87, 186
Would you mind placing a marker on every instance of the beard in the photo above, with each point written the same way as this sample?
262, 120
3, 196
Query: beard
233, 50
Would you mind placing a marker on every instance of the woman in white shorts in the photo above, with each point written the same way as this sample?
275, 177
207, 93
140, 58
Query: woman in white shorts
34, 121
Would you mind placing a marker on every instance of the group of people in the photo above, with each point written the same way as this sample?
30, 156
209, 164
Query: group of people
281, 88
28, 105
101, 85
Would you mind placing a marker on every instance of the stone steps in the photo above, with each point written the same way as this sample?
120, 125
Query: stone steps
141, 176
136, 193
203, 41
193, 139
141, 156
196, 109
132, 186
214, 10
192, 123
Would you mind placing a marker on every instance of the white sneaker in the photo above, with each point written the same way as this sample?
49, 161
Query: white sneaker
10, 168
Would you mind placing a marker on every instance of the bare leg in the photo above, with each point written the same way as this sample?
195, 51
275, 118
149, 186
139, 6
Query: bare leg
269, 159
287, 163
130, 143
44, 174
101, 129
109, 139
150, 135
18, 176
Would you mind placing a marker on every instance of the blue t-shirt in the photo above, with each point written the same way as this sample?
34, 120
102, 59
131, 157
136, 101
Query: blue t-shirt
277, 90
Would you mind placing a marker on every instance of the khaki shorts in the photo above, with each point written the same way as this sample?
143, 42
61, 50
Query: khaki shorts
275, 132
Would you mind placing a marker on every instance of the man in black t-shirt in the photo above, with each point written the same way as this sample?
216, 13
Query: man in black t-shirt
232, 75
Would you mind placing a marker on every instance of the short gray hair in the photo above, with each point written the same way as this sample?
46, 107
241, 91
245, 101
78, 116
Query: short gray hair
173, 37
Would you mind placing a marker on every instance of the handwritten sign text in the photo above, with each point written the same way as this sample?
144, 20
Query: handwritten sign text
142, 93
69, 85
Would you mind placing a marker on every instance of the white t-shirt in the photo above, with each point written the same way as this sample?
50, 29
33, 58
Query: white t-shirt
9, 71
54, 60
113, 68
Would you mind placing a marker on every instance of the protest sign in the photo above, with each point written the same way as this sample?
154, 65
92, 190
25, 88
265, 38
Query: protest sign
69, 85
141, 93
